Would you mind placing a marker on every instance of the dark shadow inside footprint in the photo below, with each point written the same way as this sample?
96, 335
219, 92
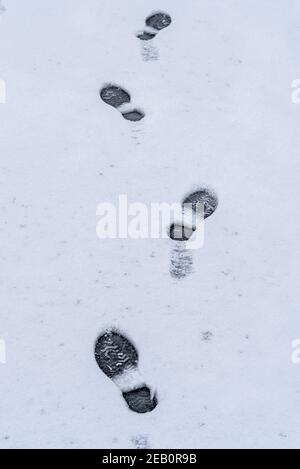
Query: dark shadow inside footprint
133, 115
206, 197
117, 357
158, 20
179, 232
145, 36
114, 354
114, 96
140, 400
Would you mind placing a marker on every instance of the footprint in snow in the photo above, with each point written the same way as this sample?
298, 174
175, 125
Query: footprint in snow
181, 261
204, 196
117, 357
153, 24
183, 229
140, 442
120, 99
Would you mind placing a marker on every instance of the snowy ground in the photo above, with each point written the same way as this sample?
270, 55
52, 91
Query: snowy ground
216, 90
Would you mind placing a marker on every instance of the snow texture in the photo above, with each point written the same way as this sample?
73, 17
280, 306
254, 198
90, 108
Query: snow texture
215, 88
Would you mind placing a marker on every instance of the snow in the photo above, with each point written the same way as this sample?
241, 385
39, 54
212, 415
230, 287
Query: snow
217, 97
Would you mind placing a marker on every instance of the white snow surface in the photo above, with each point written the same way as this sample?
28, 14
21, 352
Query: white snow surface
219, 113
